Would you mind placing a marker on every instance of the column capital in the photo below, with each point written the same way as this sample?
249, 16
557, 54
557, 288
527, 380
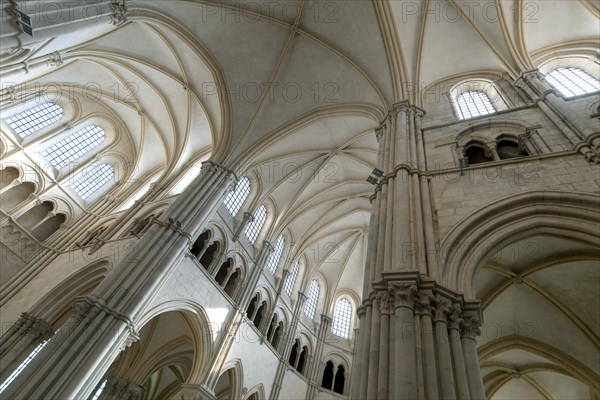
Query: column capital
423, 304
88, 307
404, 295
385, 300
470, 325
379, 133
214, 167
196, 392
301, 297
28, 323
455, 317
531, 74
443, 308
361, 311
325, 320
54, 59
119, 13
406, 106
121, 389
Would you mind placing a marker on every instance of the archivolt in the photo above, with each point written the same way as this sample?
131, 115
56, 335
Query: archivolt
574, 215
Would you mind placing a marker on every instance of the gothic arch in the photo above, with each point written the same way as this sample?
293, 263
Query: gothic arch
199, 325
337, 358
235, 371
557, 361
344, 293
324, 300
507, 220
256, 392
56, 304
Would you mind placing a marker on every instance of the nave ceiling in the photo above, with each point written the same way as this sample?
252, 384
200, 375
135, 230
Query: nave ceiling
291, 95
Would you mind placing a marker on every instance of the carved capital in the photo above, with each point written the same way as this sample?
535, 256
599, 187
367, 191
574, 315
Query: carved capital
119, 13
404, 295
470, 325
443, 309
87, 308
379, 134
402, 106
54, 59
122, 390
325, 321
385, 300
30, 324
455, 317
532, 75
423, 304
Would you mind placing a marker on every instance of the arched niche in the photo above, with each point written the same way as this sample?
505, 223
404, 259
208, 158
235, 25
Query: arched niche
16, 195
35, 214
7, 176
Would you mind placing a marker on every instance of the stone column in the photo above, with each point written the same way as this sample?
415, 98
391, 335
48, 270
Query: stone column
286, 347
313, 374
74, 363
373, 375
462, 386
357, 370
386, 308
469, 330
25, 334
405, 346
430, 367
443, 308
401, 354
491, 149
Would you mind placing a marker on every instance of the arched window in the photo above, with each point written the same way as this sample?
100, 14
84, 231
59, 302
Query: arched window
94, 180
294, 353
74, 146
209, 255
234, 200
277, 335
22, 366
34, 119
276, 254
342, 317
573, 82
258, 316
200, 243
474, 103
311, 299
302, 360
254, 227
291, 278
327, 381
232, 283
340, 380
223, 272
476, 154
252, 306
509, 149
